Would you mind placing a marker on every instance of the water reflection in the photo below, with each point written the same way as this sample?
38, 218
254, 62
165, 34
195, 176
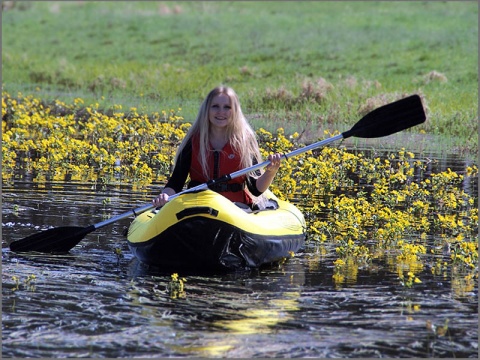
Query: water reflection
98, 302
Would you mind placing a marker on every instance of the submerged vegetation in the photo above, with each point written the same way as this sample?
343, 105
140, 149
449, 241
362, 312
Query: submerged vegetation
394, 208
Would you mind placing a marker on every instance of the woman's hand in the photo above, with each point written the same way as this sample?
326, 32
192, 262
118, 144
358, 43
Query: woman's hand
264, 181
160, 200
163, 198
275, 160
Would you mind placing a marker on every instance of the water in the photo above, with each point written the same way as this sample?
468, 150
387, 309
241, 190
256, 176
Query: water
95, 303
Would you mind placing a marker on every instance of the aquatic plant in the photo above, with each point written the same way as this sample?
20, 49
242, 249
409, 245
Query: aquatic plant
56, 142
28, 283
175, 287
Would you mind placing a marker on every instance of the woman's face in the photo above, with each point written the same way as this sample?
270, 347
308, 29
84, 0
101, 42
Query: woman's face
220, 111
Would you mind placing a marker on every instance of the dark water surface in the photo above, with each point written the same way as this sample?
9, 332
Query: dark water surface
93, 303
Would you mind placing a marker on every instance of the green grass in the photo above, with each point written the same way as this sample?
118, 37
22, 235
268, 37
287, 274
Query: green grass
161, 55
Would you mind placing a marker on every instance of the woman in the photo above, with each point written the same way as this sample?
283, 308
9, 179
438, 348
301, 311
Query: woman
220, 141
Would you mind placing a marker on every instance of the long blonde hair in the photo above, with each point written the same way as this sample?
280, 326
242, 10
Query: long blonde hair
240, 134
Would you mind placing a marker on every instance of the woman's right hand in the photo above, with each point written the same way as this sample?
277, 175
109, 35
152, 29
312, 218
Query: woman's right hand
160, 200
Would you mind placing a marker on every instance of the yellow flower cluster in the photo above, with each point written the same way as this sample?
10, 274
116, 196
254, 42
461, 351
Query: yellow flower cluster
372, 208
57, 142
176, 287
387, 208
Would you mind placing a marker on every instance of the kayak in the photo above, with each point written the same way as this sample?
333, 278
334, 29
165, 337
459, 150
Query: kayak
205, 231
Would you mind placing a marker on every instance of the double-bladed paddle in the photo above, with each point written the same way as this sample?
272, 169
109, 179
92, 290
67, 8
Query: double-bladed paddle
383, 121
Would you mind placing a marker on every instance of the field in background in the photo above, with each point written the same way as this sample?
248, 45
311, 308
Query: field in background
304, 66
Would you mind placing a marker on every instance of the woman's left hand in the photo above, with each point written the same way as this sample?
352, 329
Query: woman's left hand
275, 160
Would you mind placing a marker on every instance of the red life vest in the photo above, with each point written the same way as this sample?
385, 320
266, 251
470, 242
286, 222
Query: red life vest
222, 162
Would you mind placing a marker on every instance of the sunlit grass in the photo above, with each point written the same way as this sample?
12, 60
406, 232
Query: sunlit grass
303, 66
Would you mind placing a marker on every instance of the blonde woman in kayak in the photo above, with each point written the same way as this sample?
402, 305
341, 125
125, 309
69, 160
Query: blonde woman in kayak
221, 141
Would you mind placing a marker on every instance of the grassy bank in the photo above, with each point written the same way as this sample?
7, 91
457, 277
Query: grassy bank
305, 66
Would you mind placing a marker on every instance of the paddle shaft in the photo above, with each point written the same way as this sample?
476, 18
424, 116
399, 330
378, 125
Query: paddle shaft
286, 156
124, 216
147, 207
385, 120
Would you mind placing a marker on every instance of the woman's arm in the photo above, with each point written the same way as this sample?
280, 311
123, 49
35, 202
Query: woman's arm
179, 175
264, 181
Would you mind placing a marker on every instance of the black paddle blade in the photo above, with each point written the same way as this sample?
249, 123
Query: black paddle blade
57, 240
389, 119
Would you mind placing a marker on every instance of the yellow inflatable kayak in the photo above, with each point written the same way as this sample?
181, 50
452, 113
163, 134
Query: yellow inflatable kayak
205, 231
